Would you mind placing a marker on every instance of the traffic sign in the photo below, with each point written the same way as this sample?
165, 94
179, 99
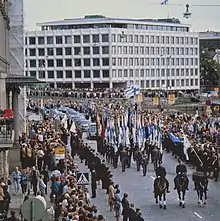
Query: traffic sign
33, 208
82, 179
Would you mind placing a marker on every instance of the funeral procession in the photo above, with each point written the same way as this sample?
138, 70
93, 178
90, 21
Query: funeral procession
109, 110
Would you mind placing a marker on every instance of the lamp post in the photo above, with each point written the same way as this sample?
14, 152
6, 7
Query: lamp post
167, 86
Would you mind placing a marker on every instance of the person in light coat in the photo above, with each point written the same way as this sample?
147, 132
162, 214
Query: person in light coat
42, 186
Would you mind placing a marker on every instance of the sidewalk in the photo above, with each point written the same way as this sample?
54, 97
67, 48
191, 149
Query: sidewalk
101, 200
17, 200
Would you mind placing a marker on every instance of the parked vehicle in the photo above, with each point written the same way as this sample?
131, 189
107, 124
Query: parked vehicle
92, 131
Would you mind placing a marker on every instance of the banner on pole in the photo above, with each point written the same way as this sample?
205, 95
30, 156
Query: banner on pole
156, 101
171, 99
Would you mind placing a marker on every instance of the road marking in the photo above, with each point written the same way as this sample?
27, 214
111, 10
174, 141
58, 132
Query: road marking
198, 215
153, 177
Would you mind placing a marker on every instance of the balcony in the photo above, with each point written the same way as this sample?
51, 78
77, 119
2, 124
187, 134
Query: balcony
6, 134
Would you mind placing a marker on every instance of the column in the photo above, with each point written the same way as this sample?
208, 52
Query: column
8, 103
15, 92
110, 85
1, 164
2, 91
73, 85
91, 85
5, 163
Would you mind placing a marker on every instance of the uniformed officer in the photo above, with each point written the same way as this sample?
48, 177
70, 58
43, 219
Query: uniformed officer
160, 170
215, 164
123, 157
144, 163
180, 170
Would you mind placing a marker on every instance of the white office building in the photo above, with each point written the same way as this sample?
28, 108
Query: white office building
100, 52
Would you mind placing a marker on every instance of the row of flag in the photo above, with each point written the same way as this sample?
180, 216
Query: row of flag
119, 130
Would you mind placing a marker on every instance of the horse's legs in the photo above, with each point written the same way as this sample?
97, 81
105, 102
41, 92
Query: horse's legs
205, 195
201, 197
183, 198
179, 195
198, 194
160, 200
164, 201
156, 198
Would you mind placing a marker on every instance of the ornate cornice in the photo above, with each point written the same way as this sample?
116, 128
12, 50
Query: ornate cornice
4, 13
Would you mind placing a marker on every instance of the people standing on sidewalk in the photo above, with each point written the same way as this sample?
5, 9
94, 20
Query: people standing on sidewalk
16, 177
42, 186
125, 206
24, 182
111, 195
46, 177
117, 205
34, 179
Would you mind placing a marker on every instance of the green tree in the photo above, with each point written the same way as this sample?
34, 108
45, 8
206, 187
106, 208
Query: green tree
210, 71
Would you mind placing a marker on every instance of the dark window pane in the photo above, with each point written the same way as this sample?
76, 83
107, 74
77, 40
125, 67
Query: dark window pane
95, 38
105, 61
77, 39
105, 50
77, 74
32, 63
50, 74
96, 62
41, 52
59, 62
33, 74
86, 62
59, 51
49, 40
50, 63
86, 39
77, 50
105, 73
77, 62
87, 74
68, 74
59, 74
95, 50
96, 74
32, 52
50, 51
59, 40
105, 38
68, 62
68, 51
86, 50
32, 40
40, 40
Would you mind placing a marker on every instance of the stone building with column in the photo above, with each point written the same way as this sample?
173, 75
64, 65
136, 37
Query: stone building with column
12, 85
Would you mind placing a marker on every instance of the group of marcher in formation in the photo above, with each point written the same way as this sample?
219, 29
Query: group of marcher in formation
40, 170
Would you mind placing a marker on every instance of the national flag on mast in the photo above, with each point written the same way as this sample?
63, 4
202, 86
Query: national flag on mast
164, 2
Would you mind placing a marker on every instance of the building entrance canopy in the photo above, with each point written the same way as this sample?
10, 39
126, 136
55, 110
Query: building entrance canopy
21, 81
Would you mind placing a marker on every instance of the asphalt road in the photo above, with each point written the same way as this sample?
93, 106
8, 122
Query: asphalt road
140, 191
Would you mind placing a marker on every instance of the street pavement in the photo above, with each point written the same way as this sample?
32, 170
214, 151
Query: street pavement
140, 191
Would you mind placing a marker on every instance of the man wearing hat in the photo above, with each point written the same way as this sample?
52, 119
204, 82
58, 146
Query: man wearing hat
180, 170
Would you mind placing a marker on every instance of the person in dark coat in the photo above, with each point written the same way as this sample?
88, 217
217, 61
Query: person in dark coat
132, 213
125, 206
93, 182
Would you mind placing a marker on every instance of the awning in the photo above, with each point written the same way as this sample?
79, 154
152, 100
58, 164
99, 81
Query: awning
19, 80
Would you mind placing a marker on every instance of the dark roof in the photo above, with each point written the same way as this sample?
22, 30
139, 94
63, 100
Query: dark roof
20, 80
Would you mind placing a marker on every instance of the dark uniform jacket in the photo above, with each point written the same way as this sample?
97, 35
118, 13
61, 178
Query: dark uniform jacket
181, 169
161, 171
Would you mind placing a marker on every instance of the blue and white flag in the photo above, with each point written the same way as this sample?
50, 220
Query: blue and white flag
131, 91
164, 2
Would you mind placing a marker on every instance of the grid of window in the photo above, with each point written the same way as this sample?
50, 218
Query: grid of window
175, 57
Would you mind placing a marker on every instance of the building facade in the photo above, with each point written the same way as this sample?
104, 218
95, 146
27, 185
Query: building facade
5, 144
100, 52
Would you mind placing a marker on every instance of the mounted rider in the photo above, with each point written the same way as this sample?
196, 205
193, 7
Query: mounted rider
161, 172
199, 175
181, 170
